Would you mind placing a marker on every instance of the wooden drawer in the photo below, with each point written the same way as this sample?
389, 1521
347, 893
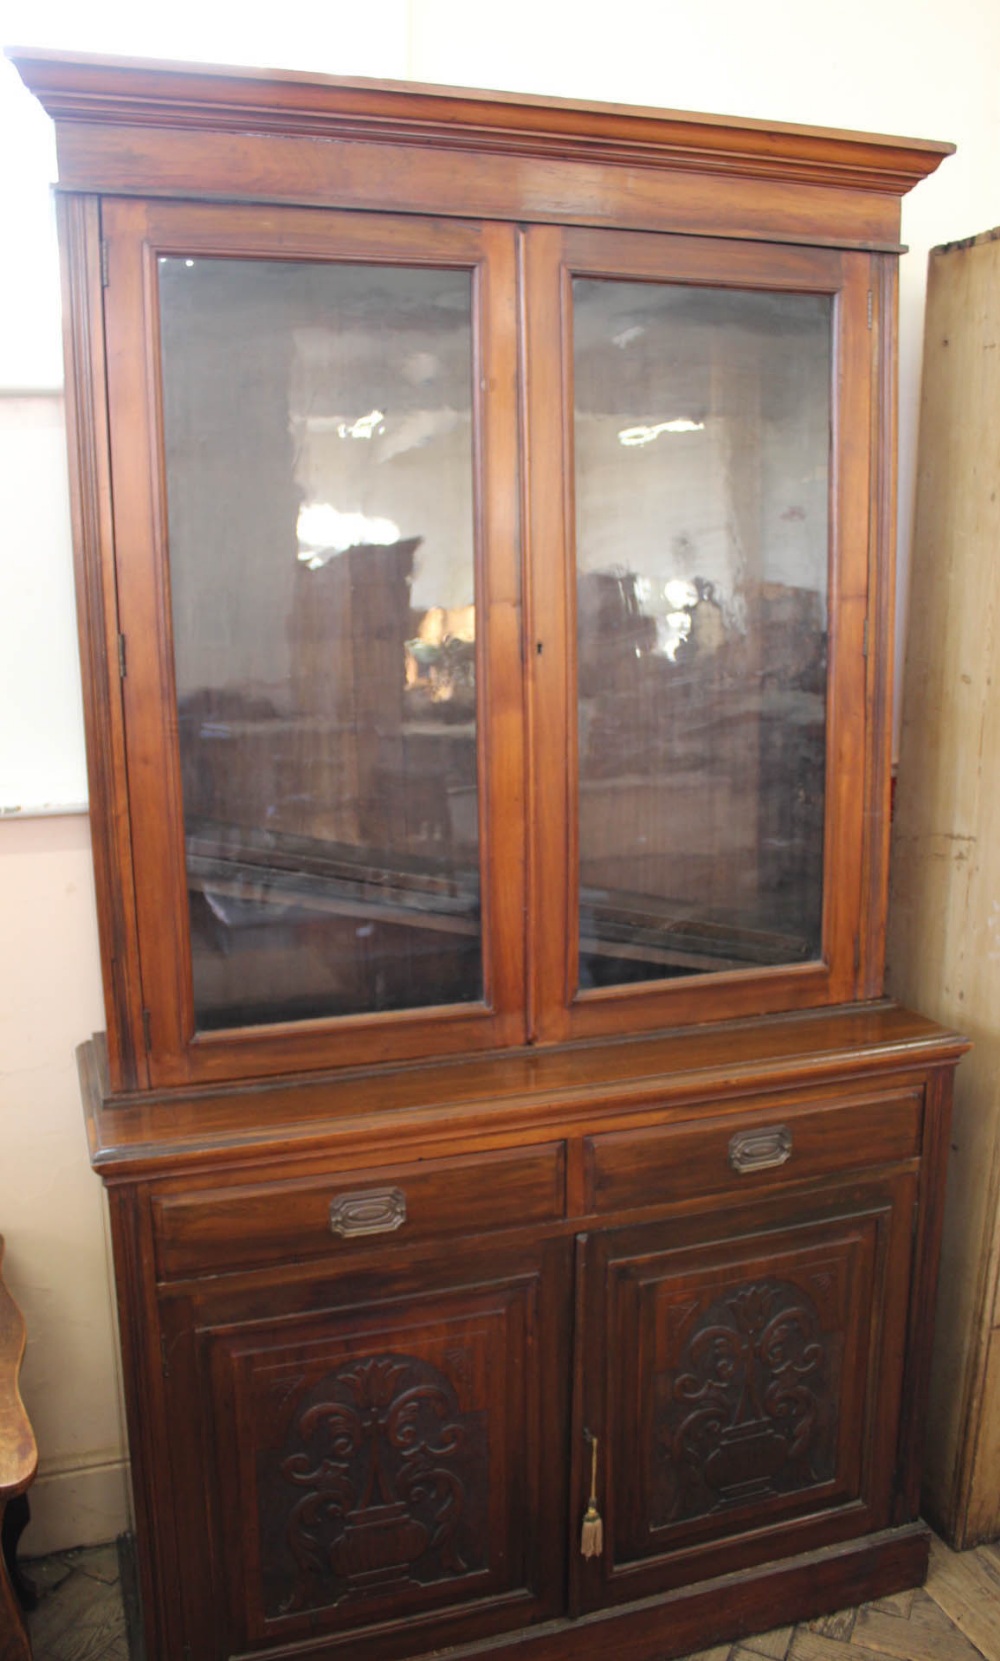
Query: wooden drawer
735, 1153
327, 1214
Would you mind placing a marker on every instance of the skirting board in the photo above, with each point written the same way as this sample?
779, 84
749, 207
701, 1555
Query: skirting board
82, 1505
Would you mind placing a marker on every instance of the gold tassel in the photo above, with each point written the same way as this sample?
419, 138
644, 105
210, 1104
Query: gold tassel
592, 1533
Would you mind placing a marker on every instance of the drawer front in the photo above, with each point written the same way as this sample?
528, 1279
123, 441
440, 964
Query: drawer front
734, 1153
264, 1223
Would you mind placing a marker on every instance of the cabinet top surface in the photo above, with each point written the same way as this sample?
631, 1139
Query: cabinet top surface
85, 88
526, 1092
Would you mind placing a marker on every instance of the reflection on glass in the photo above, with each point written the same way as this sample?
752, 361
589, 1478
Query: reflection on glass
702, 437
318, 435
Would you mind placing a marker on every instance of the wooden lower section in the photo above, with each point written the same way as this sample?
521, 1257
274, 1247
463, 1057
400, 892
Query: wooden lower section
377, 1360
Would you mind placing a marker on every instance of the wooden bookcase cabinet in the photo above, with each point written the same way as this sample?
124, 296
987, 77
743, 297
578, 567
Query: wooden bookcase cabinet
559, 1203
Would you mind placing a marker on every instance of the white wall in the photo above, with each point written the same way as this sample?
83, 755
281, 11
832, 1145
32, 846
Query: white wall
51, 1211
897, 66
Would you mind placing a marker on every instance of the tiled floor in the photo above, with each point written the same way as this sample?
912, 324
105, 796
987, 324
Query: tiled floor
81, 1608
80, 1616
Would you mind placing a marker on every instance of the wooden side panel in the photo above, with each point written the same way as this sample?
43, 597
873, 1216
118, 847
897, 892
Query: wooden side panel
97, 613
879, 641
151, 1433
942, 950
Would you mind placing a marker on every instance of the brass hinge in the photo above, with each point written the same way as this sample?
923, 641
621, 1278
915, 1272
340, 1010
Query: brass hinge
870, 308
122, 671
147, 1033
105, 279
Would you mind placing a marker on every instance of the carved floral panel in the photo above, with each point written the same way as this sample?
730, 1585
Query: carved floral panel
376, 1482
739, 1382
750, 1409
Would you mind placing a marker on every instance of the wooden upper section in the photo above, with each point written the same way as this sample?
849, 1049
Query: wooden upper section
207, 133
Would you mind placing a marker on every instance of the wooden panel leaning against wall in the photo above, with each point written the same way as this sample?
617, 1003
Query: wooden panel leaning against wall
484, 512
941, 918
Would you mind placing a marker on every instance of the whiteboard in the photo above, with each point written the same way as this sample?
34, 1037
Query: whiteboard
42, 764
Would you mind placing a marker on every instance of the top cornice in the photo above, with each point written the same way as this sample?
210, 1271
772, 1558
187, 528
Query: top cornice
81, 88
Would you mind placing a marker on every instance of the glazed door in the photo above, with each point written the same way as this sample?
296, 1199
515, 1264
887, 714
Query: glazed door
742, 1376
313, 436
365, 1460
704, 734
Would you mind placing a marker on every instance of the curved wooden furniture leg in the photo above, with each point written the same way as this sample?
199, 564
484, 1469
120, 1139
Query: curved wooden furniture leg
18, 1462
15, 1520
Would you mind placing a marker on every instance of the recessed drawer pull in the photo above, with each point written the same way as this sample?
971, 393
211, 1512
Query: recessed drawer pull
372, 1211
760, 1150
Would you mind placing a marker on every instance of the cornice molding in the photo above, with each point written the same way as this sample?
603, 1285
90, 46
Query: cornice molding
83, 89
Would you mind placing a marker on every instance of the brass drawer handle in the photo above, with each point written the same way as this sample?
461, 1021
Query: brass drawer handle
761, 1149
372, 1211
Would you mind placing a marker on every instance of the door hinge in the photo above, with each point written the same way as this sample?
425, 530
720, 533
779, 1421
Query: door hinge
105, 279
864, 640
857, 954
871, 308
147, 1032
122, 670
163, 1355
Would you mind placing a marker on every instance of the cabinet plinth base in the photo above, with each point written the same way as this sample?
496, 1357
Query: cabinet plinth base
722, 1610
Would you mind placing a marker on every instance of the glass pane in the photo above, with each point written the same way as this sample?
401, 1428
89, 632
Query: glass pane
702, 434
318, 433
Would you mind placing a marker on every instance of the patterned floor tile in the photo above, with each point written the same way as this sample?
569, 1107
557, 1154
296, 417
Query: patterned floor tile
927, 1634
772, 1644
957, 1618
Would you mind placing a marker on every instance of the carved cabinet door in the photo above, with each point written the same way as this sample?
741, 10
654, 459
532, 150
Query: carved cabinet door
743, 1381
378, 1454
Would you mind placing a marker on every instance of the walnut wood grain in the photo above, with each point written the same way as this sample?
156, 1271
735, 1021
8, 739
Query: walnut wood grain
270, 1222
881, 624
97, 616
75, 87
349, 1412
691, 1325
624, 1167
522, 1095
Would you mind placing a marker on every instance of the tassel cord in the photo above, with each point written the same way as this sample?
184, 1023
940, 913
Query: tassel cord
592, 1533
